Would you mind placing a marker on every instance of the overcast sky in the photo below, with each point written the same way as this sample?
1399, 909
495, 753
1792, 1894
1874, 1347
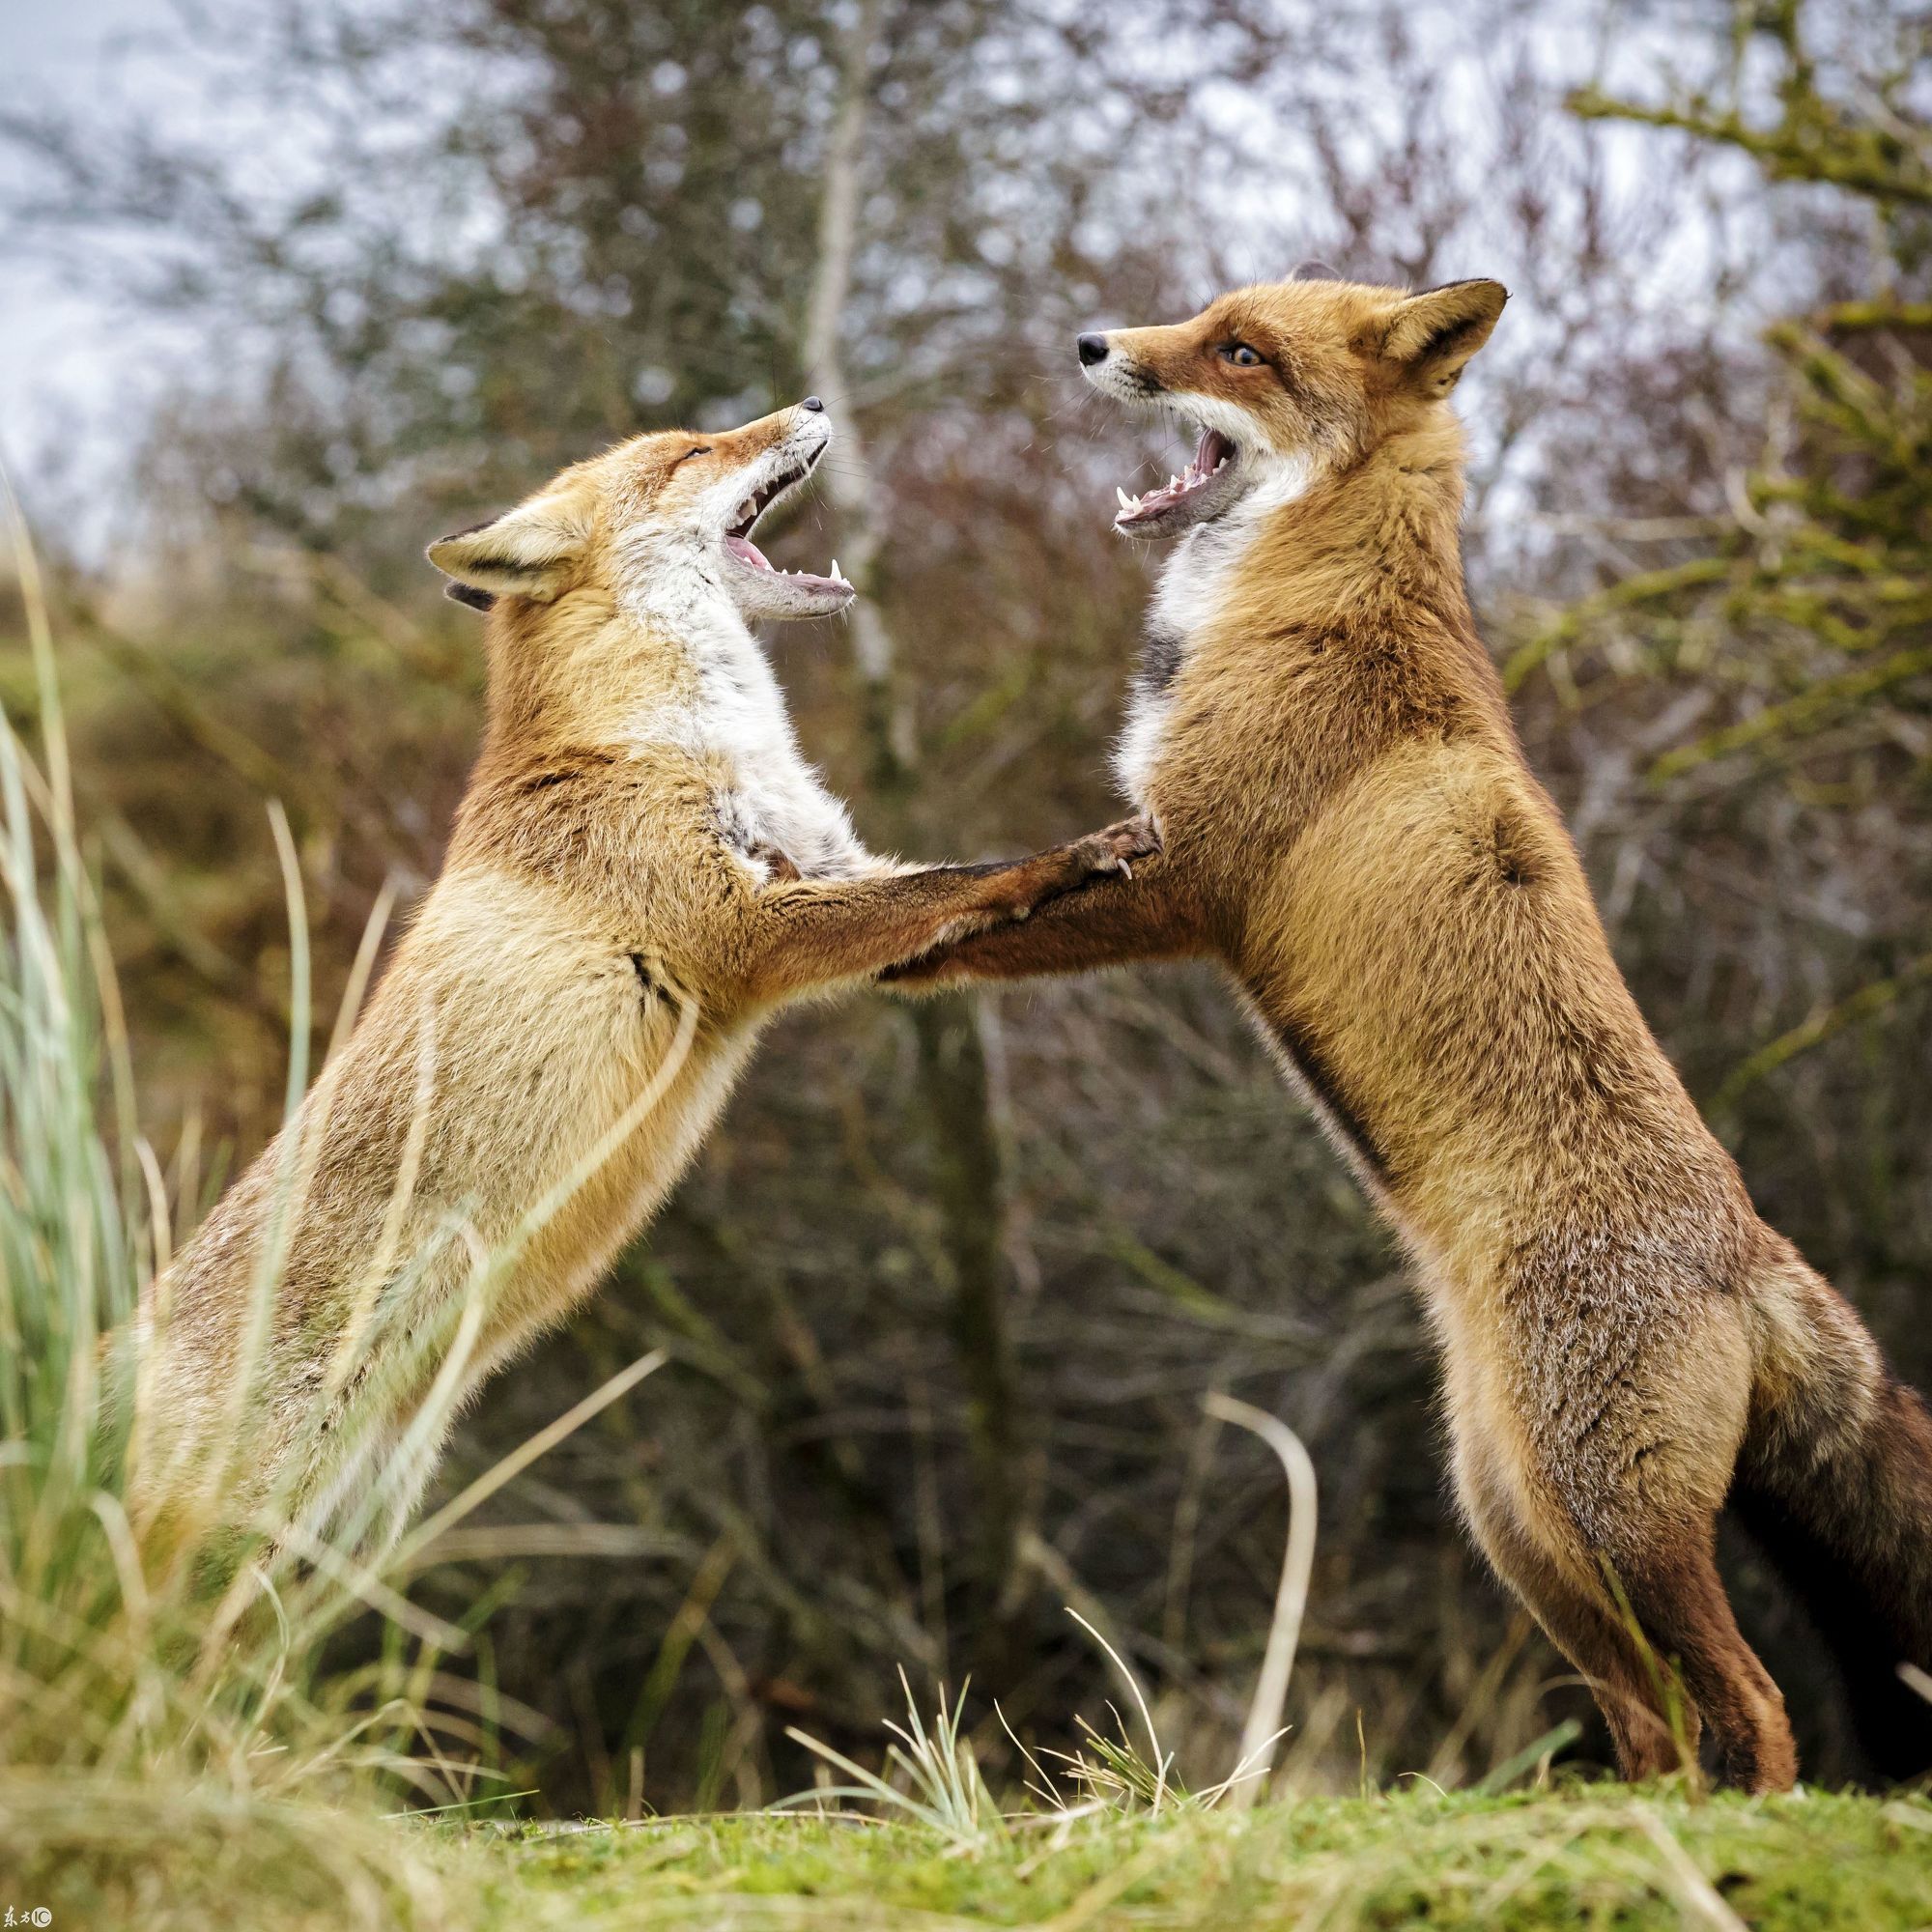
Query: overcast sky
76, 378
61, 358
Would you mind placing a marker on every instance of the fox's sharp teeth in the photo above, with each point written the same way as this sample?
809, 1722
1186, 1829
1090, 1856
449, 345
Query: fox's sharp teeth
1126, 503
837, 577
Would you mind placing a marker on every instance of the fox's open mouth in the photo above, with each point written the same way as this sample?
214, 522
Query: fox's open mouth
1205, 487
830, 592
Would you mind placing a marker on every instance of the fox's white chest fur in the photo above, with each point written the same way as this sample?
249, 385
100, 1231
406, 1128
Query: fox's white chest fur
772, 800
1190, 590
1194, 588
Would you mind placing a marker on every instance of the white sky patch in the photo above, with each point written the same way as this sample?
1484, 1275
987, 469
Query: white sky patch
72, 378
82, 369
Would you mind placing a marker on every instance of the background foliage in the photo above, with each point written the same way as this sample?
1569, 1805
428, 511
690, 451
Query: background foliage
946, 1290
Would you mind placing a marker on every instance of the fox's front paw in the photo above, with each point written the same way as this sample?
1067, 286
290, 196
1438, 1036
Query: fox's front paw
1118, 847
1100, 854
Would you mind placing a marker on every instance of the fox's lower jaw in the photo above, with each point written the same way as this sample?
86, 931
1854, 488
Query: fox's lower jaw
1213, 479
758, 587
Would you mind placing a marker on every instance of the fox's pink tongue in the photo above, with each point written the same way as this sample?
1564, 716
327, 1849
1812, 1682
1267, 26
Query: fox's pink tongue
745, 548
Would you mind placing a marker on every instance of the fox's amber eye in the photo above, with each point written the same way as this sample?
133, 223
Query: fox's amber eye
1241, 356
696, 449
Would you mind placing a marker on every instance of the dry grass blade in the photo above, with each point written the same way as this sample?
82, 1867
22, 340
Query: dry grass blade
1264, 1726
1699, 1896
1132, 1773
419, 1546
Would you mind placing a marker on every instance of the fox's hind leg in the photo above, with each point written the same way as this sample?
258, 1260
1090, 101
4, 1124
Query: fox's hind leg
1678, 1597
1692, 1663
1653, 1732
1610, 1522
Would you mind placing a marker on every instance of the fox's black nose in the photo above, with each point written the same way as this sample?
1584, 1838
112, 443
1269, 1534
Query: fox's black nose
1092, 348
811, 403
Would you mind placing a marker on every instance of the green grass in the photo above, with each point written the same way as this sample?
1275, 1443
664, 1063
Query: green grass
1592, 1857
1595, 1856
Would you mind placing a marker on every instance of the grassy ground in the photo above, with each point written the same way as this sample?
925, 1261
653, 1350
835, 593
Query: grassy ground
1599, 1857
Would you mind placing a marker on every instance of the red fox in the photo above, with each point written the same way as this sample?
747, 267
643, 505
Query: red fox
644, 870
1350, 826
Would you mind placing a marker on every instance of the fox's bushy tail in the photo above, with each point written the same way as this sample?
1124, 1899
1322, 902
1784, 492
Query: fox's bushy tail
1836, 1486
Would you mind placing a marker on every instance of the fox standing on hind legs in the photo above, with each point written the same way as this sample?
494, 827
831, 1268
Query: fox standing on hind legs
644, 870
1350, 824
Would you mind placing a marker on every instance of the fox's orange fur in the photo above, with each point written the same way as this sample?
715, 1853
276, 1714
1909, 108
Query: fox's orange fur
644, 870
1350, 824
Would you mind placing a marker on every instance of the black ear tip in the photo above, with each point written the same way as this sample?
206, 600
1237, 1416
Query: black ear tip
467, 593
467, 530
1314, 271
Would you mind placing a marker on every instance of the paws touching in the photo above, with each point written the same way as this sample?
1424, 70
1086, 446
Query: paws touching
1097, 856
1116, 849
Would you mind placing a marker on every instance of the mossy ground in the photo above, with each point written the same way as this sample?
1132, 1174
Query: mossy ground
1589, 1855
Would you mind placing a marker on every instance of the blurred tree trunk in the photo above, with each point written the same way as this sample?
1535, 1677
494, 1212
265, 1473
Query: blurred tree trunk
955, 1087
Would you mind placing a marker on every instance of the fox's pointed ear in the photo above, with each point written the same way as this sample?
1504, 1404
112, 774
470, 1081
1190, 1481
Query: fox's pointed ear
468, 595
525, 552
1432, 336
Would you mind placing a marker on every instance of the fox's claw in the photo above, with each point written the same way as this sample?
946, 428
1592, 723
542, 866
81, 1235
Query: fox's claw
1121, 844
1111, 853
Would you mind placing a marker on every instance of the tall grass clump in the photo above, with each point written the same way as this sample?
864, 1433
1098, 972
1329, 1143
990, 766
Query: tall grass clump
154, 1695
77, 1622
101, 1664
